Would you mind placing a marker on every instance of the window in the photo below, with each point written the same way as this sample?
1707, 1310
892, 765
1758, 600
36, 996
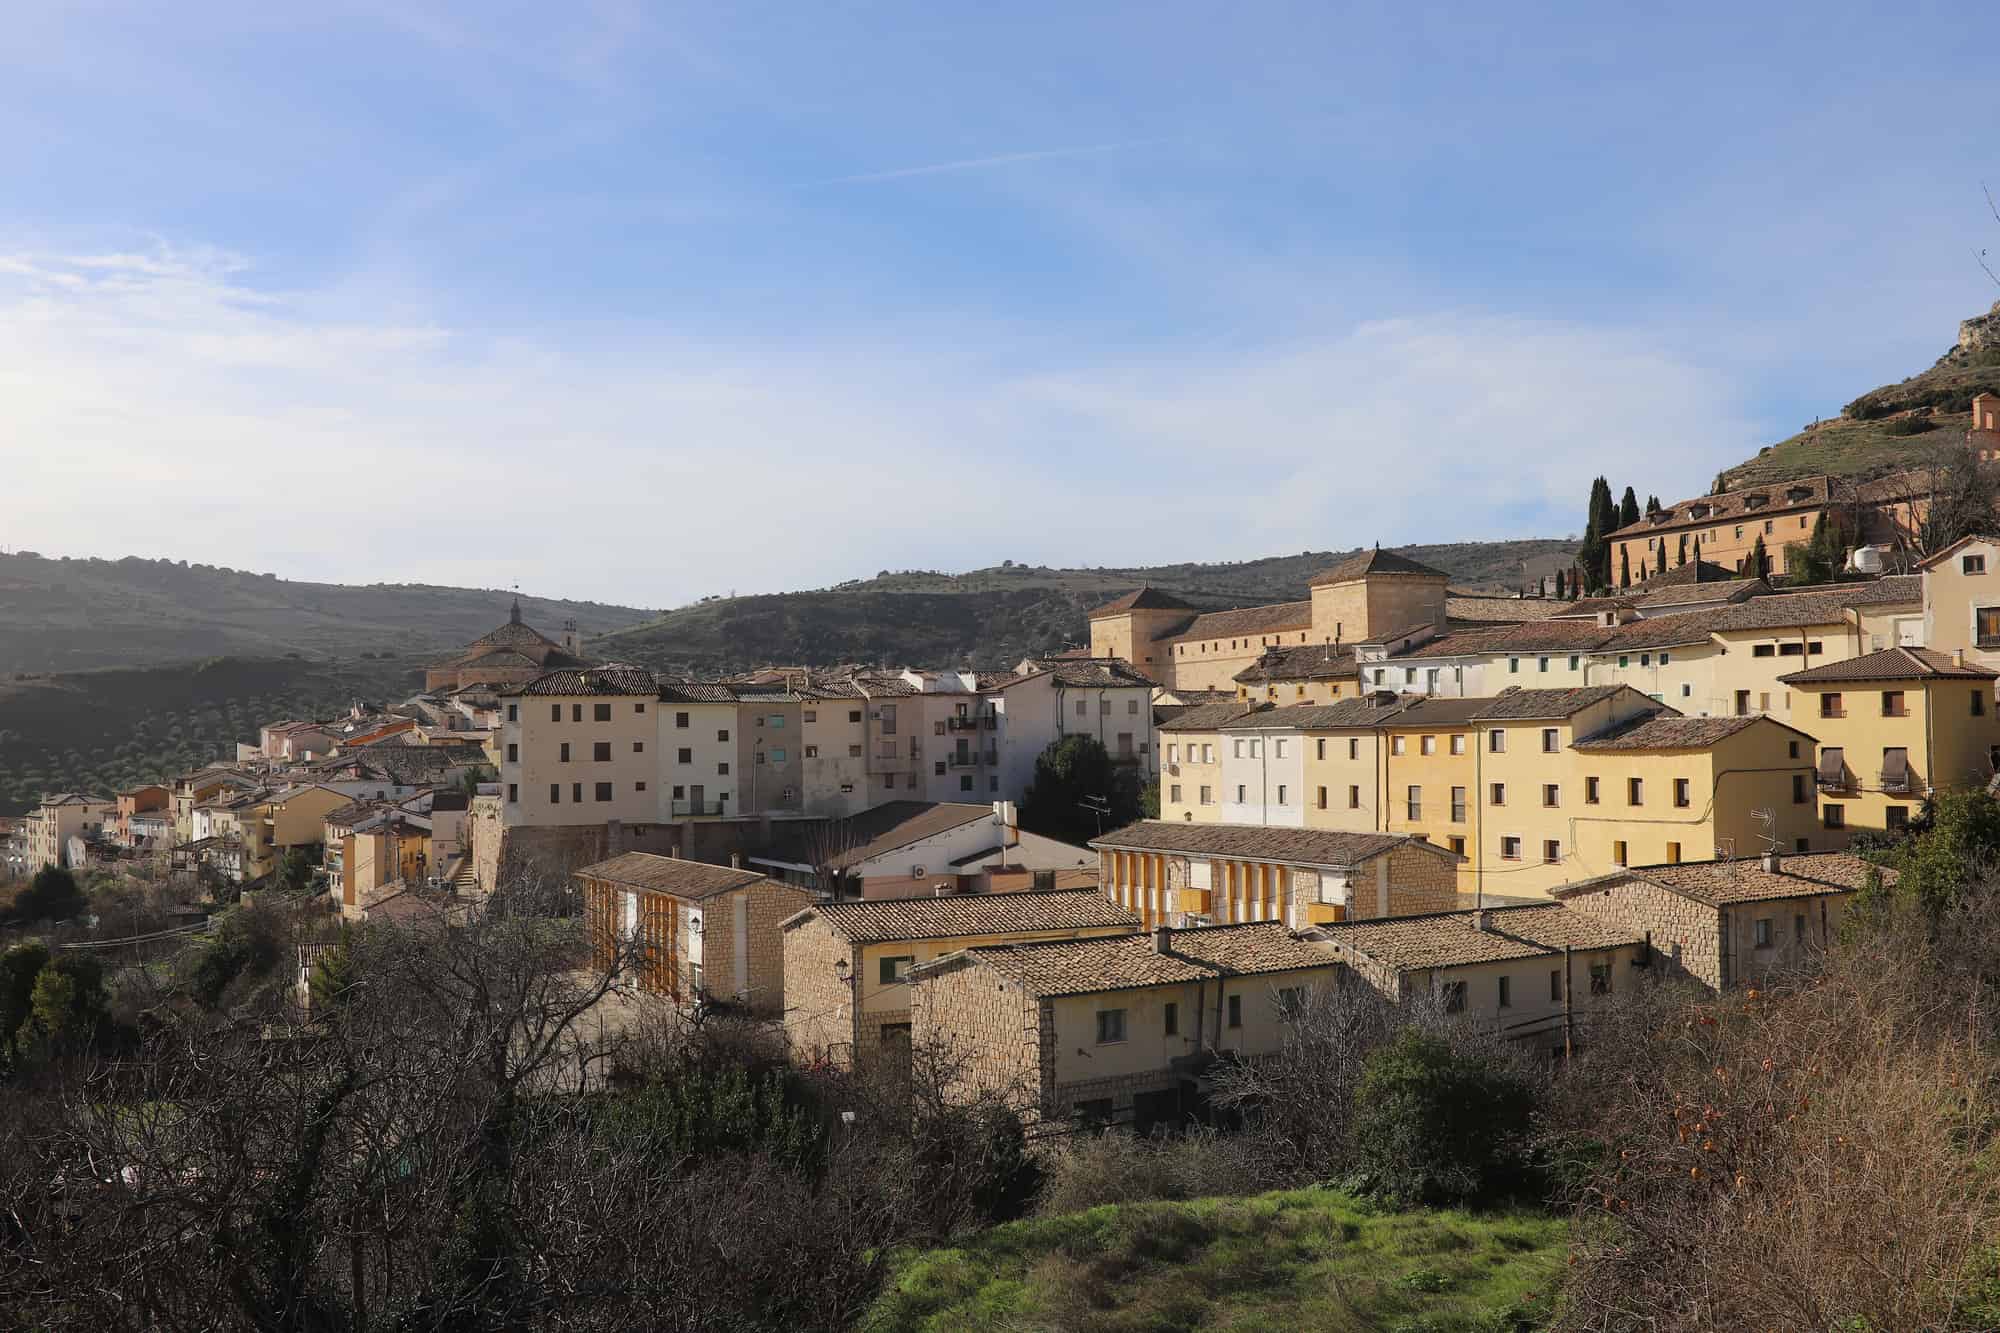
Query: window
778, 721
1574, 659
1986, 626
1496, 741
681, 721
1458, 744
895, 971
1549, 745
937, 769
1645, 659
1552, 852
1541, 664
1454, 996
1241, 797
1814, 648
1681, 793
1673, 853
1395, 745
722, 770
1551, 794
1792, 748
639, 786
1320, 798
1172, 1019
854, 715
812, 752
1893, 705
1414, 798
1799, 928
555, 793
1208, 795
1506, 992
1600, 978
1353, 798
1320, 748
1281, 794
1236, 1011
600, 752
777, 756
1513, 665
600, 712
576, 792
965, 782
937, 727
603, 792
1278, 748
1428, 745
1761, 932
1665, 658
513, 791
1555, 986
1896, 816
853, 752
1458, 805
513, 753
1619, 855
1510, 849
680, 793
1979, 701
638, 747
1635, 791
889, 781
1764, 650
684, 755
1132, 707
1456, 844
1082, 708
1972, 564
1829, 706
1353, 747
1833, 816
513, 712
1496, 793
555, 712
1174, 754
1798, 789
1236, 747
1207, 753
562, 752
722, 734
1623, 661
1590, 791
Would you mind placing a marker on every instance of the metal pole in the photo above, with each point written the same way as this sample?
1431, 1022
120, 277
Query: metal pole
1569, 1011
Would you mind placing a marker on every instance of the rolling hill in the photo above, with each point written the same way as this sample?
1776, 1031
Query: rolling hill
72, 615
1894, 426
991, 616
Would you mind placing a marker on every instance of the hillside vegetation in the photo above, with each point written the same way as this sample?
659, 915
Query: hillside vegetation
101, 730
1297, 1259
1895, 426
993, 617
72, 615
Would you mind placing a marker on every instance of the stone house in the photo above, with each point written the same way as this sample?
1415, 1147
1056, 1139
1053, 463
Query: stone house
1201, 874
691, 930
847, 964
1527, 970
1726, 923
1115, 1030
903, 848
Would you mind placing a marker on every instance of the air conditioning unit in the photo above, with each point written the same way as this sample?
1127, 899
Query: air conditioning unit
916, 872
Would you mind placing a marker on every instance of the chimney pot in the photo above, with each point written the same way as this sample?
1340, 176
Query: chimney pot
1958, 657
1482, 921
736, 860
674, 851
1163, 939
1771, 861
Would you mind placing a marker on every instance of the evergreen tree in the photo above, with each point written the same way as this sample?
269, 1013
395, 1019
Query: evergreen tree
1628, 509
1595, 553
1624, 567
1653, 505
1559, 585
1681, 557
1759, 562
1697, 558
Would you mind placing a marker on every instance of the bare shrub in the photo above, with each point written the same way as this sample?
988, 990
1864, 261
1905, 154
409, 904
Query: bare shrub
1812, 1155
1094, 1169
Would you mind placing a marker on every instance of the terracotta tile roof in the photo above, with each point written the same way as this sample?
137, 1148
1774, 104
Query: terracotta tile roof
1256, 842
1535, 704
1672, 733
670, 874
1592, 606
1898, 663
1720, 883
1728, 507
1476, 608
1948, 552
1826, 606
964, 914
1344, 715
1682, 627
569, 683
1302, 661
1534, 636
1209, 717
1706, 571
1141, 599
1373, 563
1131, 962
1453, 939
875, 832
697, 692
1426, 712
1092, 673
1725, 590
1244, 620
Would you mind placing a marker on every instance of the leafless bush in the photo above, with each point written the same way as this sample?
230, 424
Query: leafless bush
1093, 1169
1813, 1155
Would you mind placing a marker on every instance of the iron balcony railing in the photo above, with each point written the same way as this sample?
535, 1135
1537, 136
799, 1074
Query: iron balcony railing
693, 808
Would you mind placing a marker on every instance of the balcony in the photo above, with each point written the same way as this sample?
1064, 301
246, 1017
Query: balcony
971, 760
1896, 782
1841, 781
970, 723
1833, 712
696, 809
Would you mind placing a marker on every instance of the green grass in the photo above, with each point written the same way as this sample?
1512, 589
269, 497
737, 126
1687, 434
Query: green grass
1291, 1261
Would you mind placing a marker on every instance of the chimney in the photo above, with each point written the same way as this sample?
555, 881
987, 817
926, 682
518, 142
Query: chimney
1771, 862
571, 641
1958, 657
1482, 921
736, 860
675, 851
1163, 939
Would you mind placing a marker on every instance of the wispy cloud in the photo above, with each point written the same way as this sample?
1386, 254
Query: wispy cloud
996, 160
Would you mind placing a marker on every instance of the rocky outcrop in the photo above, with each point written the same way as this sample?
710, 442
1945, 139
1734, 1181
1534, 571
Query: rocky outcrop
1981, 331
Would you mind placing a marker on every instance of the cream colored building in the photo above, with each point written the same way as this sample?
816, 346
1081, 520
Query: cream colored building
847, 964
1113, 1031
1894, 728
1534, 973
1201, 874
1729, 922
577, 747
1192, 747
52, 824
1962, 600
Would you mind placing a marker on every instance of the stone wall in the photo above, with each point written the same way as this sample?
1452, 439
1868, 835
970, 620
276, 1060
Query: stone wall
819, 1006
987, 1027
1686, 935
1419, 881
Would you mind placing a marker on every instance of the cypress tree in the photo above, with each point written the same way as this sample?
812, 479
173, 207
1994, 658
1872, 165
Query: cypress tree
1697, 558
1681, 557
1759, 565
1628, 509
1653, 505
1624, 567
1559, 585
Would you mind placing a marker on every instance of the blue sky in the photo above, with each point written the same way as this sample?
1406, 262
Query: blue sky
642, 302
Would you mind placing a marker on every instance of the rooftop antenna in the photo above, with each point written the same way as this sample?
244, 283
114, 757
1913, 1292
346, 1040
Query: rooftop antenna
1769, 819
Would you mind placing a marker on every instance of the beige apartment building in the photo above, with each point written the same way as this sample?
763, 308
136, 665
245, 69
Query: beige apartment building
57, 819
1113, 1031
847, 964
1962, 600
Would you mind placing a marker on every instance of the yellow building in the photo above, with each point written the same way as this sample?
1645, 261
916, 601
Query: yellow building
386, 857
1304, 673
1962, 600
1191, 747
1894, 727
847, 964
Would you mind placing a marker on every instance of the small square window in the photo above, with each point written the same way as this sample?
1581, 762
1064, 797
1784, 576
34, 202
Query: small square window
894, 971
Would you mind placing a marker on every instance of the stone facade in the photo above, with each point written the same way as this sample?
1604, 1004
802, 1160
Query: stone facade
1686, 935
990, 1028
